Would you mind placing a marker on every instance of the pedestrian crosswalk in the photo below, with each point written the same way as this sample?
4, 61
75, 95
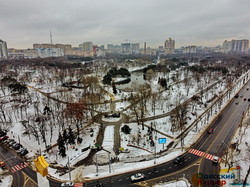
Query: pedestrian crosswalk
202, 154
15, 168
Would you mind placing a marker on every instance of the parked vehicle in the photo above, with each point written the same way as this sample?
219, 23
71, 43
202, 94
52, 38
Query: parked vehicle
20, 150
137, 177
24, 152
11, 143
16, 146
2, 164
2, 133
69, 184
3, 138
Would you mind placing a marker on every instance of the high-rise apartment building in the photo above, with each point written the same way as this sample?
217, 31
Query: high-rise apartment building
87, 46
169, 46
3, 50
236, 46
189, 49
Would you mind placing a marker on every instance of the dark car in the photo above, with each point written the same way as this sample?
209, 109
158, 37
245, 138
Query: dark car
236, 96
4, 138
16, 146
24, 152
178, 160
11, 143
211, 130
2, 133
99, 185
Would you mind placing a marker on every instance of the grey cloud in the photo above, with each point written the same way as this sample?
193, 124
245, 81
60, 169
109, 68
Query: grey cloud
25, 22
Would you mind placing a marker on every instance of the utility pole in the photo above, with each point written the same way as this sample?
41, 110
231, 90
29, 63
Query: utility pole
96, 164
69, 170
51, 38
155, 154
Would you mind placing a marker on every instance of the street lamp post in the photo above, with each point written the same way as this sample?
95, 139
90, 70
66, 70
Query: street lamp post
96, 165
69, 170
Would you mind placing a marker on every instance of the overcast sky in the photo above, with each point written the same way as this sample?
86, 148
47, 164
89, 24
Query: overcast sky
188, 22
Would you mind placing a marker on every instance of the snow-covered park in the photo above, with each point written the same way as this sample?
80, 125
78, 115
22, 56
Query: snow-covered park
65, 114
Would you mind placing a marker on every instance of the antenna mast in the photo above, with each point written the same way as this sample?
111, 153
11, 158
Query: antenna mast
51, 38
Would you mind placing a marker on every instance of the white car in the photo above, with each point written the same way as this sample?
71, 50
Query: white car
216, 159
69, 184
137, 177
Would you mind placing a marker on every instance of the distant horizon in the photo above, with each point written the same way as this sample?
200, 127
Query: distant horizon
154, 46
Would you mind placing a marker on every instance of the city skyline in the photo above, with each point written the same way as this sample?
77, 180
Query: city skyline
206, 23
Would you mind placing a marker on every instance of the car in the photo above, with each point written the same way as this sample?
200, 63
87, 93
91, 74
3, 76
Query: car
20, 150
99, 185
216, 159
2, 164
6, 142
16, 146
211, 130
11, 143
236, 96
2, 133
237, 102
248, 99
23, 153
178, 160
137, 177
245, 99
4, 138
241, 95
67, 184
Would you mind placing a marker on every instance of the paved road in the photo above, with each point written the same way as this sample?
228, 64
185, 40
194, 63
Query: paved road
220, 140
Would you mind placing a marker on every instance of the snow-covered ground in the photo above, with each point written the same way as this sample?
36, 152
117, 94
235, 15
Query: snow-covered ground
139, 147
5, 180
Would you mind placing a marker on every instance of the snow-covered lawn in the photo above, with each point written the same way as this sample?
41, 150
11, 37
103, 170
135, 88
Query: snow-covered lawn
6, 180
139, 147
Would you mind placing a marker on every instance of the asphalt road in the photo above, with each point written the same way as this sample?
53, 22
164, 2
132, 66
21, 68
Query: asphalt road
224, 131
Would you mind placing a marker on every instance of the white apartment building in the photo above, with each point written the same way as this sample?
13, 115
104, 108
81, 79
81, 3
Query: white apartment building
3, 50
49, 52
236, 46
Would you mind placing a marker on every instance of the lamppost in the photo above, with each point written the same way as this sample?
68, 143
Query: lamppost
69, 169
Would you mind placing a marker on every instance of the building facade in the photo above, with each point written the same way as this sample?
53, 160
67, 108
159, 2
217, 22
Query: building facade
169, 46
3, 50
189, 49
49, 52
67, 48
236, 46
